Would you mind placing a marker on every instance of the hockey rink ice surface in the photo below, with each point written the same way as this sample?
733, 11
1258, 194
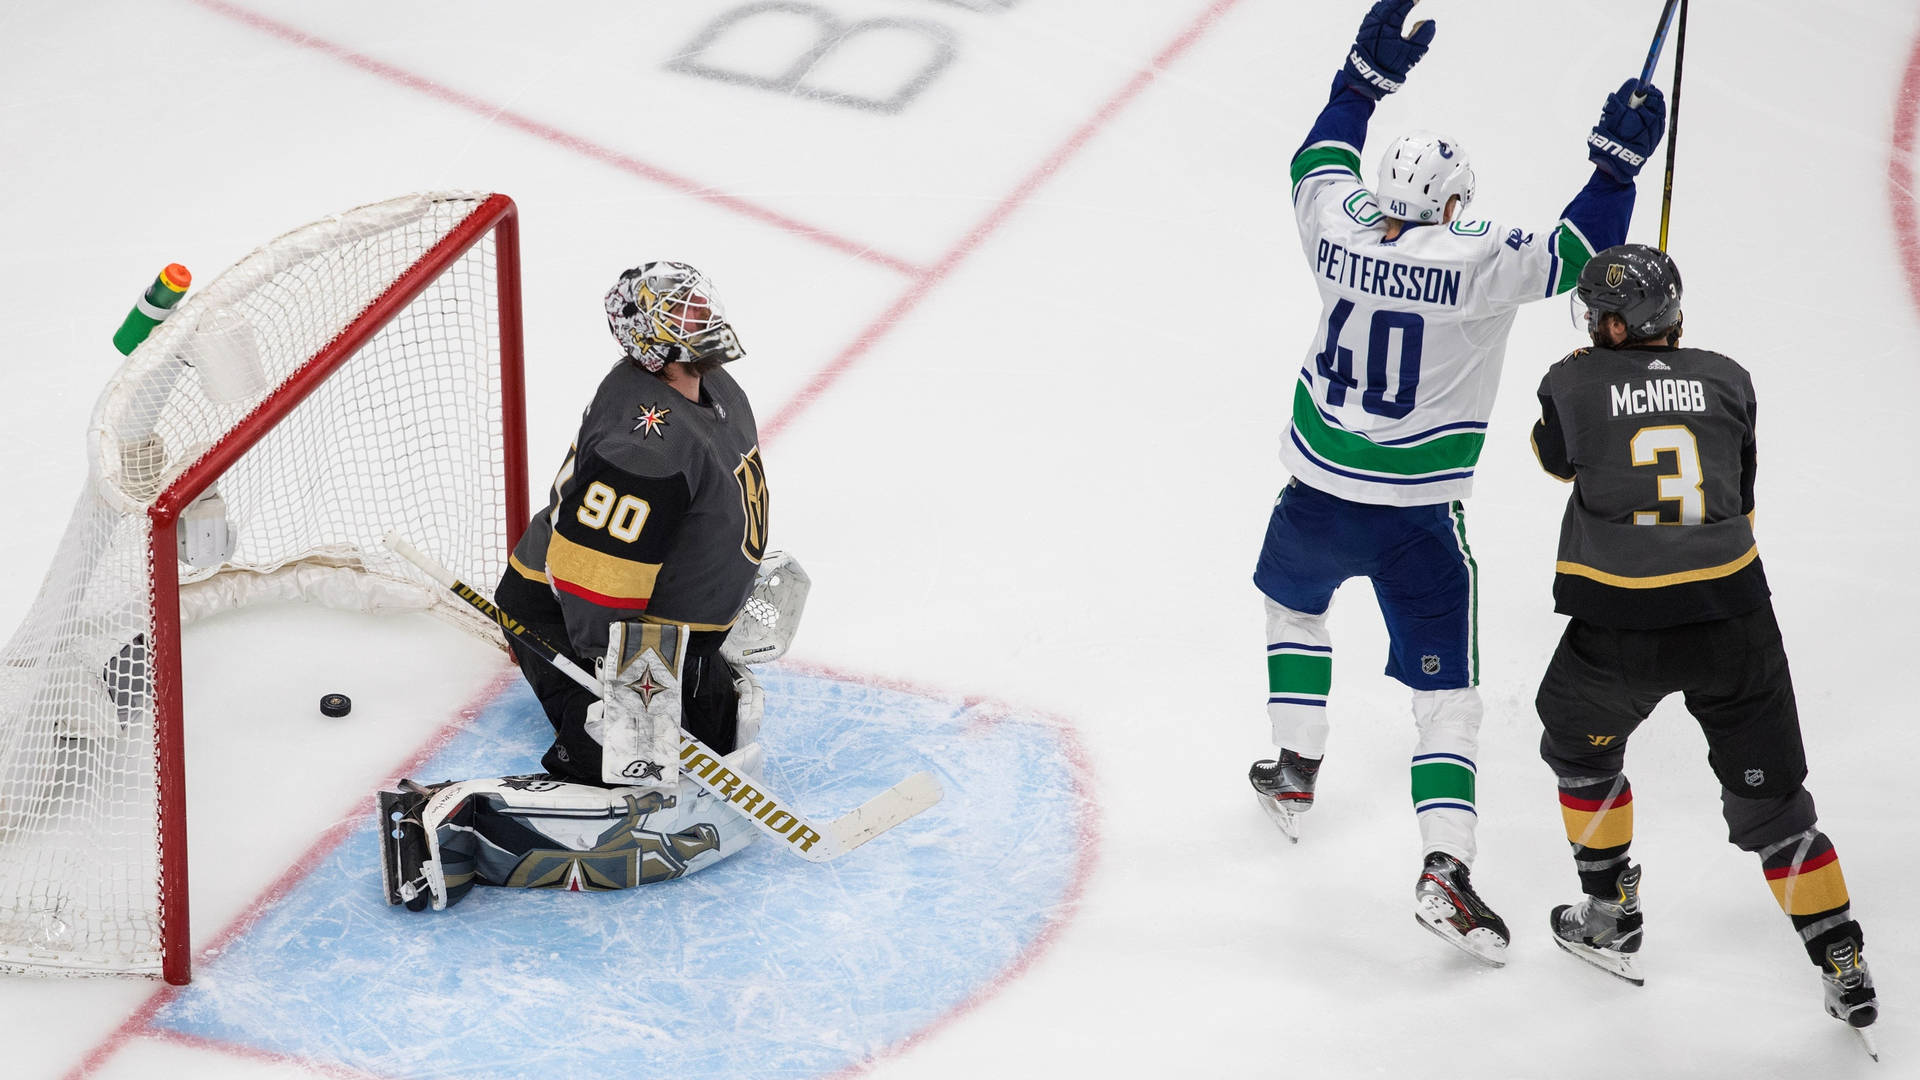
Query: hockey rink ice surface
1022, 303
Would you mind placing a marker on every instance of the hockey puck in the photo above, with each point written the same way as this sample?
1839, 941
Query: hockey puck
335, 705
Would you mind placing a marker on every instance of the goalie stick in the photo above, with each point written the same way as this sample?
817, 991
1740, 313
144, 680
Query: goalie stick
822, 842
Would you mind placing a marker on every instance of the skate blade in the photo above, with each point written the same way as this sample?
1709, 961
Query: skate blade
1288, 820
1865, 1036
1620, 965
1480, 943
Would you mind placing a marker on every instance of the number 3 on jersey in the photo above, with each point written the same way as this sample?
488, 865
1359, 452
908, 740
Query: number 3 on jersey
1682, 486
1336, 362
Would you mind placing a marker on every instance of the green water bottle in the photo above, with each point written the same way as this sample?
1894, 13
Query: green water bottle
152, 309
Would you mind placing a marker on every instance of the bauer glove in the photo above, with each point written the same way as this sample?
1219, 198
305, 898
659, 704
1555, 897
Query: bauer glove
1625, 137
1378, 63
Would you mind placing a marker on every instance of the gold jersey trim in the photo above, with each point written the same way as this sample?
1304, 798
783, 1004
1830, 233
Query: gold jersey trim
1659, 581
603, 579
526, 571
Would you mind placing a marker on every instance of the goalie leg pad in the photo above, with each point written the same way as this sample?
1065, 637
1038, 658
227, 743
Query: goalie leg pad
753, 702
537, 832
409, 864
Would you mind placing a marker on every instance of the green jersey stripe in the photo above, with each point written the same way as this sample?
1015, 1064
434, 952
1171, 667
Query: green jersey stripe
1575, 253
1442, 453
1320, 156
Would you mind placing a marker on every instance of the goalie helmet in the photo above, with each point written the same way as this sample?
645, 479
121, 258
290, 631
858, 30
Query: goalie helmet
1419, 173
1640, 284
668, 313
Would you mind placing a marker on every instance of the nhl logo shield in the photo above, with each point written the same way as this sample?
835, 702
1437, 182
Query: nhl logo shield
1755, 778
1430, 664
1616, 273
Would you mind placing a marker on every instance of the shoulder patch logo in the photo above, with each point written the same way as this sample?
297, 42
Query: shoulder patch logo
651, 421
1658, 365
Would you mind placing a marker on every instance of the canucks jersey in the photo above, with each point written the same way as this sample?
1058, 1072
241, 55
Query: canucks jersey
1659, 445
1392, 403
658, 513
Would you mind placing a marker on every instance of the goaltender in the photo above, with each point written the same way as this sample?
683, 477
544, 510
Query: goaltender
652, 544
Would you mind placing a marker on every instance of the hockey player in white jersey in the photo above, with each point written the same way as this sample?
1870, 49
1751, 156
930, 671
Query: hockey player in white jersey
1387, 421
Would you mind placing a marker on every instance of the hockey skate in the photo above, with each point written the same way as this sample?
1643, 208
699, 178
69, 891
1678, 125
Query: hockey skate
1849, 989
1445, 903
406, 871
1606, 933
1285, 788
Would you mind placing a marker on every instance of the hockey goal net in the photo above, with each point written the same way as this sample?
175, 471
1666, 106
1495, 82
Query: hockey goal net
356, 375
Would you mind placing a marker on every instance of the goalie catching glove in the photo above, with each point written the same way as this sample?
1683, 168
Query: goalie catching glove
771, 616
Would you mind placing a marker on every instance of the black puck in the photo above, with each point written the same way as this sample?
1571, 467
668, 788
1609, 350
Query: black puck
335, 705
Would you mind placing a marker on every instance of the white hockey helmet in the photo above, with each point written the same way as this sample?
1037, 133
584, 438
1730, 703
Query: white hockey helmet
1419, 173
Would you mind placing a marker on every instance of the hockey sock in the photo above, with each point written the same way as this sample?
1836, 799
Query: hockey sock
1598, 814
1443, 769
1804, 872
1299, 676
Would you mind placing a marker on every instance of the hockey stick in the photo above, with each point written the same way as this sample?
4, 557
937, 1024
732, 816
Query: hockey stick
1673, 128
745, 794
1653, 51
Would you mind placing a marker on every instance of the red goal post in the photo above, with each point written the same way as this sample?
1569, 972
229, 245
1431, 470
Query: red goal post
358, 374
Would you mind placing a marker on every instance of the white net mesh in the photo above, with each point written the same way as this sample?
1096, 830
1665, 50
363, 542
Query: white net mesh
406, 433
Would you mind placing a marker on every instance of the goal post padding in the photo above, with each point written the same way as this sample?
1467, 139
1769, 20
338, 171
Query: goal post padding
355, 375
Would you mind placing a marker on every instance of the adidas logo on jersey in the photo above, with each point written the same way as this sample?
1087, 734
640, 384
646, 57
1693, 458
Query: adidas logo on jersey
1658, 365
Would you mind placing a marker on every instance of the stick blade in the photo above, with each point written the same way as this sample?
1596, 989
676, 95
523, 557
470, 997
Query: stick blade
880, 813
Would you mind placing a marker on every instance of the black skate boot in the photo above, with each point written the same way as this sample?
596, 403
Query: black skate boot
1285, 788
1603, 932
407, 872
1849, 987
1445, 903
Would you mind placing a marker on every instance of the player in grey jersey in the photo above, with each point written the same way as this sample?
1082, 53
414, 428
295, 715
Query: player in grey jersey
1661, 578
638, 567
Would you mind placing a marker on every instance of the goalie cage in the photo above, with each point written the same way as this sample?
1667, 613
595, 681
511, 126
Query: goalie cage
355, 373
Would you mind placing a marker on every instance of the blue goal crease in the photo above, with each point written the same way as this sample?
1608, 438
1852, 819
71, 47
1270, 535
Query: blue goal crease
762, 965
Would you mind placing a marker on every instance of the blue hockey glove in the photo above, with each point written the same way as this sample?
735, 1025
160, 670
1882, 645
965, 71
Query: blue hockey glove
1378, 63
1624, 138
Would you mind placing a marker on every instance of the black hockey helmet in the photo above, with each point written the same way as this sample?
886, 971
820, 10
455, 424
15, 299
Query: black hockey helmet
1636, 282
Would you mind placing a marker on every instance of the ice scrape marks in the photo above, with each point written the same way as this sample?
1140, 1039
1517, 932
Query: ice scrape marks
762, 966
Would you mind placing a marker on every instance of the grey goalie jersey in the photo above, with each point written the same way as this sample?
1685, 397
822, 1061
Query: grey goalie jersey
658, 513
1659, 444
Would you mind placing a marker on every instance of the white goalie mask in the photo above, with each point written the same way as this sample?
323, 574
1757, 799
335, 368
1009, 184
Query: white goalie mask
1419, 173
668, 312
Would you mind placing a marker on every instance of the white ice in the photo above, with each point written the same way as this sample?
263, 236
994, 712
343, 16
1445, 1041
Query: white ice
1021, 351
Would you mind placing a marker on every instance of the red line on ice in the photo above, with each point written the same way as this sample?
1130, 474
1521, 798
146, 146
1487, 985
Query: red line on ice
548, 133
139, 1025
931, 278
1906, 206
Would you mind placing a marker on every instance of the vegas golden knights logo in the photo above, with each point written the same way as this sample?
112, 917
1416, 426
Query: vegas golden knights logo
753, 503
1616, 273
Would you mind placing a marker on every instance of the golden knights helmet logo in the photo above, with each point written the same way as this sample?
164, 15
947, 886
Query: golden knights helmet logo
1616, 273
752, 477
